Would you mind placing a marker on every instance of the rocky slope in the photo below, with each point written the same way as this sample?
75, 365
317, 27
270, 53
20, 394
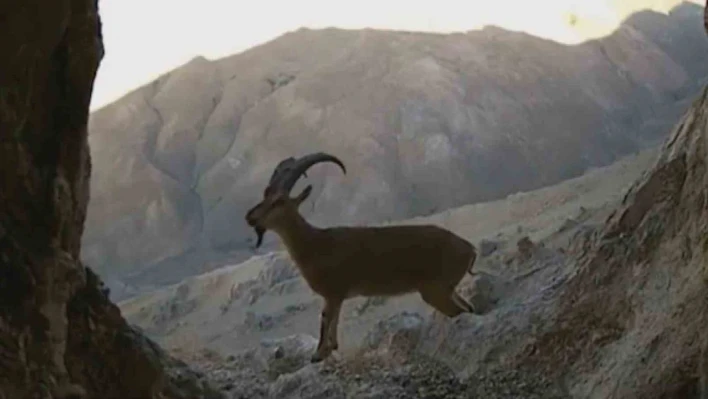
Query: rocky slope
179, 161
627, 317
233, 308
60, 337
632, 318
615, 309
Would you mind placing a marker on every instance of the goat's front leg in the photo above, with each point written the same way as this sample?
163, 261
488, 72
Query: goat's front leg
329, 317
333, 324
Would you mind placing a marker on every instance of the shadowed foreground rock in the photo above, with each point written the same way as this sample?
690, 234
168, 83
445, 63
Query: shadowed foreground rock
60, 337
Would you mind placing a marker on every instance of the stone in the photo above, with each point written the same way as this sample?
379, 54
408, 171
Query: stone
288, 354
487, 247
396, 334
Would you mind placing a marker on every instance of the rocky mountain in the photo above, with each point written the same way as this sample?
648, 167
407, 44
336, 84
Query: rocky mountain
60, 336
610, 303
423, 122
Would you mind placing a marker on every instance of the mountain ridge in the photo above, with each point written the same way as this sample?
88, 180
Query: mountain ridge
494, 111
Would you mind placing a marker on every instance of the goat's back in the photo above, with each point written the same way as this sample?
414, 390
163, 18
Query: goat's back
393, 259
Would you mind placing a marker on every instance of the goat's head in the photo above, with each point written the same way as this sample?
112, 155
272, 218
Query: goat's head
277, 205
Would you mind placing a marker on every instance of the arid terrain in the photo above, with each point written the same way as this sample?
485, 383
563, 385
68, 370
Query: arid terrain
607, 300
593, 267
233, 308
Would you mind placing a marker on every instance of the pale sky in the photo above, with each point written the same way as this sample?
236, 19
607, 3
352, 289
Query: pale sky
145, 38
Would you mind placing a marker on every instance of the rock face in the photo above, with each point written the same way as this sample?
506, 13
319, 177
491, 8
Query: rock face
628, 319
178, 162
60, 337
619, 313
633, 318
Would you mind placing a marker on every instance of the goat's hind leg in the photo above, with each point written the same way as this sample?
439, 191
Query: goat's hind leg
470, 264
462, 302
445, 301
334, 323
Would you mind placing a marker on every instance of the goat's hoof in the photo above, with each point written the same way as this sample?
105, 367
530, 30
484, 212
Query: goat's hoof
321, 355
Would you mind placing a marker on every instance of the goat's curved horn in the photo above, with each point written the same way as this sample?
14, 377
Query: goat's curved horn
291, 170
278, 173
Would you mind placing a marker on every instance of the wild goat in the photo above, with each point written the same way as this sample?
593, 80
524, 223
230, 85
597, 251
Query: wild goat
345, 262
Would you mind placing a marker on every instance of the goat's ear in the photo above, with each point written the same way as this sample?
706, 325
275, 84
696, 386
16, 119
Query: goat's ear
303, 195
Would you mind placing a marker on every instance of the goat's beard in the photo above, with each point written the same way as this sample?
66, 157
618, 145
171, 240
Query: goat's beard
260, 231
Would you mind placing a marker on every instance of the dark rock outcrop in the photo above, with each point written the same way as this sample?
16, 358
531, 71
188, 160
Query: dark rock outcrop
60, 337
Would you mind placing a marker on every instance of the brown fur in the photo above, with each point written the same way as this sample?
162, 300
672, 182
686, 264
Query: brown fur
344, 262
